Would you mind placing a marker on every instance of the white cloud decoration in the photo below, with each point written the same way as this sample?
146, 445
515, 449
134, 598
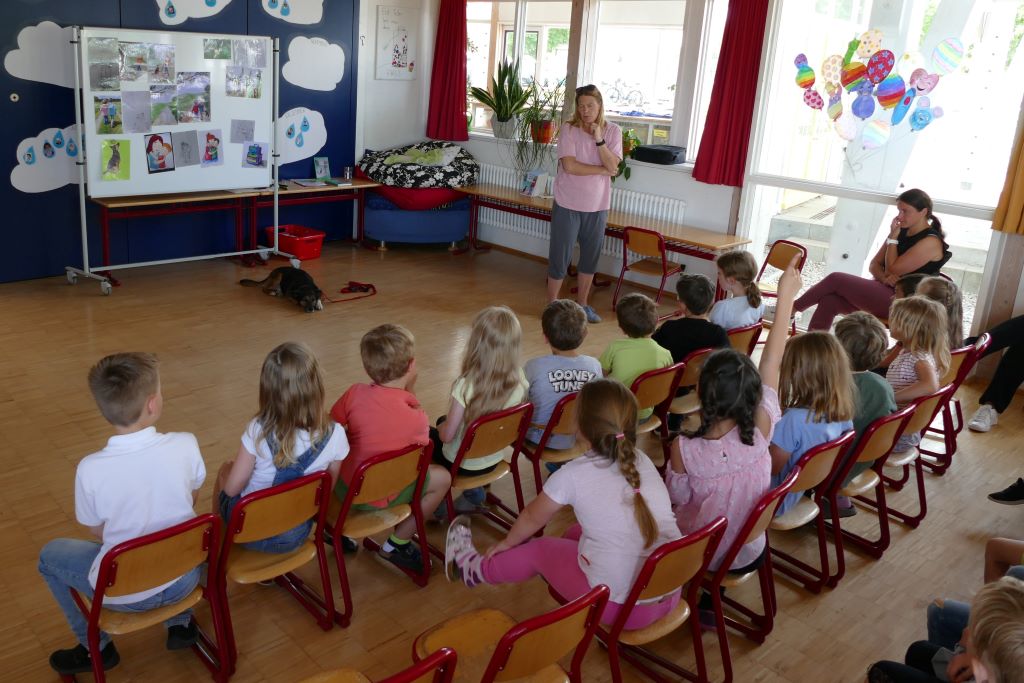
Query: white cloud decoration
301, 133
47, 161
295, 11
314, 64
174, 12
44, 54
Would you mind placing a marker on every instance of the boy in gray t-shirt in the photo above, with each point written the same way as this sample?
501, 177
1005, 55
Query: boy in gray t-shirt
563, 371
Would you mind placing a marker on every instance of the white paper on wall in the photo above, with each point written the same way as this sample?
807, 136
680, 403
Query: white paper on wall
314, 64
295, 11
47, 161
44, 54
397, 29
301, 133
174, 12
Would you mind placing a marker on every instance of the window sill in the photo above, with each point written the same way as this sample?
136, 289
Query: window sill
686, 167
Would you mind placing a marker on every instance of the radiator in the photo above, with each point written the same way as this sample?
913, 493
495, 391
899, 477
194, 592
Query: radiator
639, 203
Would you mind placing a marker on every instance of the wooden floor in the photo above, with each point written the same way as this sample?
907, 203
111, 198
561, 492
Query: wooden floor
212, 335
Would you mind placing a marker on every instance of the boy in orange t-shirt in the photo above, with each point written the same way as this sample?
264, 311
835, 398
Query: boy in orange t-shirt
385, 416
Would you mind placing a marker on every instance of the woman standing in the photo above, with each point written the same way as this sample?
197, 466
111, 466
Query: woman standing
589, 151
916, 244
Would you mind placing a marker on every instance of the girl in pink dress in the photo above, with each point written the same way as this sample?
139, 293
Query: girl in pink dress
724, 467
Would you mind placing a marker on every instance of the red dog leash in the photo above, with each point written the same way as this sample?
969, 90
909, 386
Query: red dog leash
362, 289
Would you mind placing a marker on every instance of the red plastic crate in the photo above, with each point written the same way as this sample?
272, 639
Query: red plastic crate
304, 243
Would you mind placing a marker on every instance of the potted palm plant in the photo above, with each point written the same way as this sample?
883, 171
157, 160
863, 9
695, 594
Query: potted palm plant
507, 97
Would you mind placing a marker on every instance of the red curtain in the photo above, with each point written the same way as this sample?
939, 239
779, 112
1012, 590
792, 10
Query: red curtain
723, 146
446, 118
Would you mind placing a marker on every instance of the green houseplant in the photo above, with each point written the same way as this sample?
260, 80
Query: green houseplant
506, 98
540, 118
630, 141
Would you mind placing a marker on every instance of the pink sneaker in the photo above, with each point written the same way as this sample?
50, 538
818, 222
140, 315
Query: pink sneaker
460, 555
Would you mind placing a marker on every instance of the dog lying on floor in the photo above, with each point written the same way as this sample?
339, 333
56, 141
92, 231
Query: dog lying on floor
291, 283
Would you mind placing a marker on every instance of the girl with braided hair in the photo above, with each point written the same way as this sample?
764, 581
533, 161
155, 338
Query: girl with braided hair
621, 505
724, 468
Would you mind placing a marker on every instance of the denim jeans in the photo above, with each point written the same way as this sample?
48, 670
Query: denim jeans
284, 542
65, 563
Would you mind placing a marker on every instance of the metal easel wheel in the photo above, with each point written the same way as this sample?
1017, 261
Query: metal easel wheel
106, 288
72, 277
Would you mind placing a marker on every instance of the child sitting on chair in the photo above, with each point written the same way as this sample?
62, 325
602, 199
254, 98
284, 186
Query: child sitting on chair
383, 417
140, 483
694, 330
627, 359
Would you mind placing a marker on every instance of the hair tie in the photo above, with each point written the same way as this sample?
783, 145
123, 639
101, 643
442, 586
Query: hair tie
636, 491
620, 436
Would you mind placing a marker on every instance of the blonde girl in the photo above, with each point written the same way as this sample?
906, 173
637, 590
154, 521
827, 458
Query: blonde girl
491, 379
622, 507
736, 273
947, 294
918, 325
817, 396
290, 436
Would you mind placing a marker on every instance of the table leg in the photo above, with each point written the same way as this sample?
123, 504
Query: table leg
474, 226
360, 215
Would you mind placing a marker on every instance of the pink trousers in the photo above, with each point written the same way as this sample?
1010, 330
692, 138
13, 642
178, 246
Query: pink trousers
555, 559
842, 293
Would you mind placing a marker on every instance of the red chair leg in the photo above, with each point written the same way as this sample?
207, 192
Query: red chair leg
812, 578
878, 547
758, 626
618, 286
723, 636
939, 461
914, 520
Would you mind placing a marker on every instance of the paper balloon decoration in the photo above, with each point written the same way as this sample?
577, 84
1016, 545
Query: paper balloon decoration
947, 55
835, 100
864, 106
853, 74
890, 91
924, 114
846, 127
812, 99
832, 68
804, 73
851, 47
903, 106
870, 41
880, 65
875, 134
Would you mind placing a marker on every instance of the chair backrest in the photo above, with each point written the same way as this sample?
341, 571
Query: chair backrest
643, 242
158, 558
781, 253
925, 409
539, 642
880, 436
974, 355
957, 358
385, 475
437, 667
562, 420
276, 509
817, 464
692, 365
655, 387
744, 339
492, 432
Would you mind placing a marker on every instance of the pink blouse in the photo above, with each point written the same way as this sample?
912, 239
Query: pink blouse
586, 193
724, 477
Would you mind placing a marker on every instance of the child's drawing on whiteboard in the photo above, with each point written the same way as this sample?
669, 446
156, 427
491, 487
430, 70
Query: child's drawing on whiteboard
212, 152
254, 154
115, 156
242, 82
134, 60
396, 43
160, 64
159, 153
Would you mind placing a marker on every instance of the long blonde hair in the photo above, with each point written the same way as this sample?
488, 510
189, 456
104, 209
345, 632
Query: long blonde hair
291, 399
948, 295
491, 363
587, 91
919, 323
815, 375
606, 412
742, 267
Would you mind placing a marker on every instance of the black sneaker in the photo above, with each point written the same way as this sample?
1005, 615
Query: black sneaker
182, 637
77, 661
405, 556
1011, 495
348, 545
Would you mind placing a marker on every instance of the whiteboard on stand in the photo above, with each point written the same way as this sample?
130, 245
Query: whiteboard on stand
171, 112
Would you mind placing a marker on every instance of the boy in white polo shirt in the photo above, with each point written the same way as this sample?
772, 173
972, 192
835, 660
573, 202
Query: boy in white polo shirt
141, 482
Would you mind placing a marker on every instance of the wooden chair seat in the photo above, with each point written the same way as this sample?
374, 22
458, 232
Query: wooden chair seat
474, 636
463, 482
803, 512
861, 484
252, 566
340, 676
562, 455
733, 580
651, 266
771, 288
662, 627
652, 423
901, 459
366, 523
118, 623
684, 405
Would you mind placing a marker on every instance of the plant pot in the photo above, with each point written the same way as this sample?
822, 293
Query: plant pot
627, 147
543, 131
505, 130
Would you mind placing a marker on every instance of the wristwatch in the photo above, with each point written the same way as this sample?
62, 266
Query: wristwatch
599, 143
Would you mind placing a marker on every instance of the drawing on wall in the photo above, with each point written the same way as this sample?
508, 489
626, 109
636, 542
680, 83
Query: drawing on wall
242, 130
134, 58
44, 54
160, 64
107, 112
314, 64
159, 153
216, 48
104, 64
193, 97
397, 28
249, 53
115, 159
301, 133
242, 82
254, 155
173, 12
295, 11
213, 150
137, 109
47, 161
186, 148
163, 104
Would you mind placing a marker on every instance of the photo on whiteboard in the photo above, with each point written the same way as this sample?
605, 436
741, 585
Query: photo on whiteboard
242, 130
242, 82
159, 153
161, 64
249, 53
115, 159
104, 67
107, 111
186, 148
216, 48
163, 101
254, 154
137, 114
193, 98
213, 149
134, 60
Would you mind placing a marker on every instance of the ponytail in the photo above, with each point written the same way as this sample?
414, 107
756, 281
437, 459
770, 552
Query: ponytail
741, 266
934, 221
753, 295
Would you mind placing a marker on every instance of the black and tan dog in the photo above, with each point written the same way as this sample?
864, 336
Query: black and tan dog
292, 283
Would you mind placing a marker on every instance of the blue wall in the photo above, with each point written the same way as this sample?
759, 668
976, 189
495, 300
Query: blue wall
41, 230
